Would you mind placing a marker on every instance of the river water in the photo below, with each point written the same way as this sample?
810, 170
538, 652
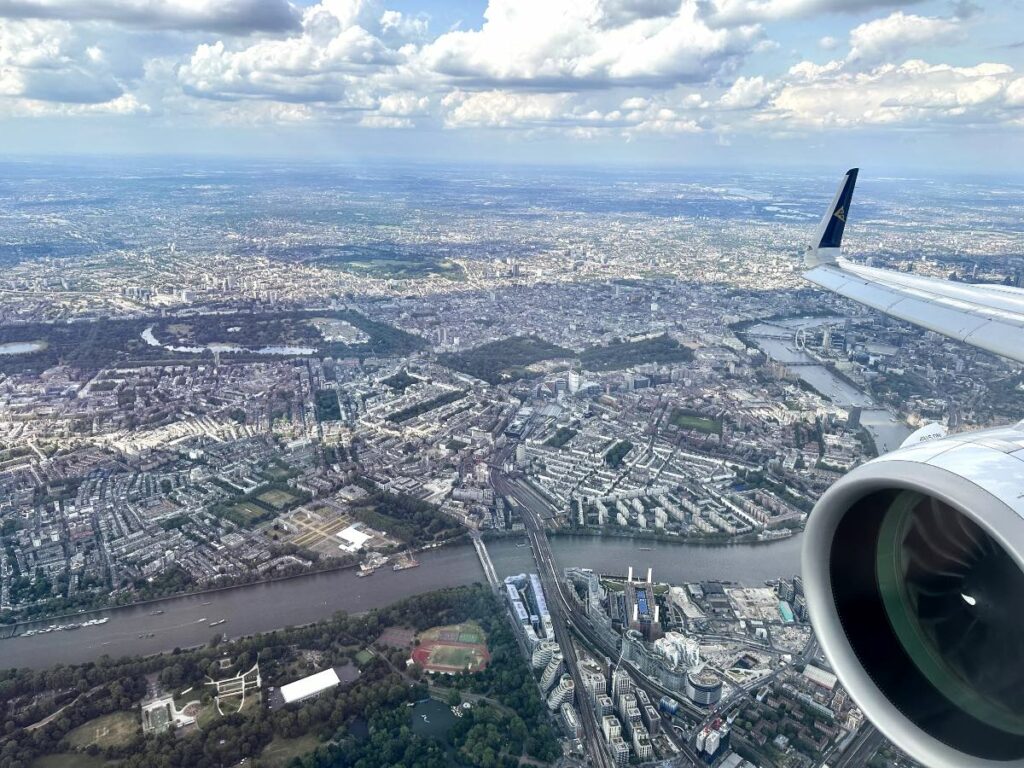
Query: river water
264, 607
151, 339
887, 431
21, 347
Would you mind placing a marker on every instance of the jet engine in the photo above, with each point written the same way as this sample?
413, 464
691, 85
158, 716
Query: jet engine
913, 570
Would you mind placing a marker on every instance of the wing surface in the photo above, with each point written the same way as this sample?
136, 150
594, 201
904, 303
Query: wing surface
990, 317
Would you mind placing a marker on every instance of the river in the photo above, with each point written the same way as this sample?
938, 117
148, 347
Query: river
887, 431
185, 621
151, 340
21, 347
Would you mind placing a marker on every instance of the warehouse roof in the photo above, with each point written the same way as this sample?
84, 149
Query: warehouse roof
820, 677
354, 538
309, 686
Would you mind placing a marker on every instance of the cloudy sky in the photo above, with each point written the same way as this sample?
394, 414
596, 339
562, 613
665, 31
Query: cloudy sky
673, 82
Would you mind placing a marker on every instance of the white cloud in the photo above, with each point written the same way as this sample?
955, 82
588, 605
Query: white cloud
574, 116
733, 12
528, 66
746, 93
385, 121
914, 93
572, 68
45, 61
404, 104
399, 26
124, 106
808, 70
615, 13
250, 113
543, 44
339, 47
230, 16
889, 38
504, 109
1015, 93
665, 121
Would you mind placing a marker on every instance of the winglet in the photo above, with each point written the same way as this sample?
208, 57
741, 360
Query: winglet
829, 236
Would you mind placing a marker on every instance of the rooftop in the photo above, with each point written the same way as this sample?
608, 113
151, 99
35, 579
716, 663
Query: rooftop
309, 686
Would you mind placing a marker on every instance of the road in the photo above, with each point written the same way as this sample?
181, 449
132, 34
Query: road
867, 742
557, 608
534, 509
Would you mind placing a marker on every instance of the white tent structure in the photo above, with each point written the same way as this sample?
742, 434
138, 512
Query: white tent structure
311, 686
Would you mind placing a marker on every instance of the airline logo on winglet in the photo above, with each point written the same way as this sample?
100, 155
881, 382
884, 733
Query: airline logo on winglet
829, 236
832, 225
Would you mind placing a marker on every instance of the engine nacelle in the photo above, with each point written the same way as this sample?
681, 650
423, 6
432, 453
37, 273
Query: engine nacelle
913, 571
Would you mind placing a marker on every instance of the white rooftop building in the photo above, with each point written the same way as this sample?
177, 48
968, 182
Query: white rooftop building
819, 676
311, 686
354, 539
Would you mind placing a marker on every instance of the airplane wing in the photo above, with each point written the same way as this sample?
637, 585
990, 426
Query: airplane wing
990, 317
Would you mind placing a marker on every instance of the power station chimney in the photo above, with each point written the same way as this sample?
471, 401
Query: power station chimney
630, 576
649, 572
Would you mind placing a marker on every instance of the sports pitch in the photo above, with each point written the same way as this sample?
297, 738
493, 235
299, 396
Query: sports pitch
452, 649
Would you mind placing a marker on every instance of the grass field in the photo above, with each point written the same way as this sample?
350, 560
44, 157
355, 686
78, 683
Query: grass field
113, 730
561, 437
614, 586
363, 657
684, 420
249, 511
276, 499
470, 632
454, 648
280, 752
232, 704
471, 636
276, 472
207, 716
456, 657
385, 264
190, 694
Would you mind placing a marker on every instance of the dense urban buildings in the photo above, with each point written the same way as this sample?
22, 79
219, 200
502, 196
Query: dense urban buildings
361, 380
